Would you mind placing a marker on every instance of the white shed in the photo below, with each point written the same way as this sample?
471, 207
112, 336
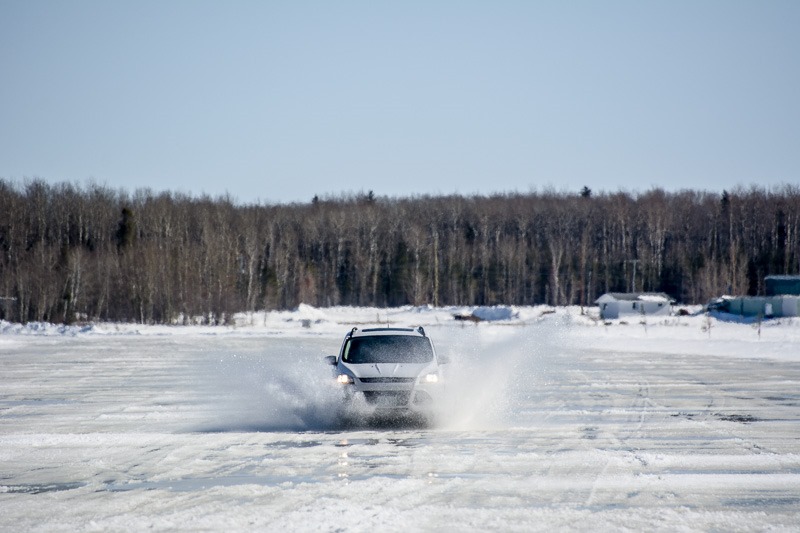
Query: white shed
617, 304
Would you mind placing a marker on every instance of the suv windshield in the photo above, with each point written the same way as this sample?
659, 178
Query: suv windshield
388, 349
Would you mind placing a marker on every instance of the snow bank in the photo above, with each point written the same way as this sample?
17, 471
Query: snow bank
776, 338
43, 328
499, 312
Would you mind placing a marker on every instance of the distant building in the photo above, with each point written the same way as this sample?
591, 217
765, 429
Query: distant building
779, 285
758, 306
617, 304
782, 299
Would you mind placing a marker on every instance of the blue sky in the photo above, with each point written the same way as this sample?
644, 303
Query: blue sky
279, 101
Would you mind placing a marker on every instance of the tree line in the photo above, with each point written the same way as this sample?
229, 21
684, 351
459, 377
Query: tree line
89, 252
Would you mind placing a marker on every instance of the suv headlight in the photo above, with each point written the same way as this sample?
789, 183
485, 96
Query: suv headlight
344, 379
431, 378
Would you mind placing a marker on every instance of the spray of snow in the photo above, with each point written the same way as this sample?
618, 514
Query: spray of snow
286, 389
493, 371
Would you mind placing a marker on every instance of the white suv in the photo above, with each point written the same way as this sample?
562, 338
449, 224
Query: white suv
389, 369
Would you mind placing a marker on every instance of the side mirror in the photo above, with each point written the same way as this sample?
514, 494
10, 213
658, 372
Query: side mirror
330, 359
443, 359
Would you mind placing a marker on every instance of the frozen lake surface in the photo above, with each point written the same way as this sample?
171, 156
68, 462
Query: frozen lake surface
550, 423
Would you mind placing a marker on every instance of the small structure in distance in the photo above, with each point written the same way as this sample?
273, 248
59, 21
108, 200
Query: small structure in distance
782, 300
617, 304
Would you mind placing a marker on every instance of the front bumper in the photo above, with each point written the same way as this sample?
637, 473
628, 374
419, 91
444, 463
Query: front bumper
393, 393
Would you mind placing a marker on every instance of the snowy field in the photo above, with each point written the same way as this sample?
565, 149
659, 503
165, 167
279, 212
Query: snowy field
553, 421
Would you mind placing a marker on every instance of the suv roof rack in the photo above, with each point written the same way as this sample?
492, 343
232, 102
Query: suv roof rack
418, 329
388, 329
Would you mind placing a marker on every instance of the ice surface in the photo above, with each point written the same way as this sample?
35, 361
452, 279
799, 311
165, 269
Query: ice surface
552, 421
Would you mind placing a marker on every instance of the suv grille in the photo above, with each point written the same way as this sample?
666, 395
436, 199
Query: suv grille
387, 398
387, 380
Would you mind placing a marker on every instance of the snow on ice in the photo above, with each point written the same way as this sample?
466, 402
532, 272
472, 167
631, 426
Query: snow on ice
554, 420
